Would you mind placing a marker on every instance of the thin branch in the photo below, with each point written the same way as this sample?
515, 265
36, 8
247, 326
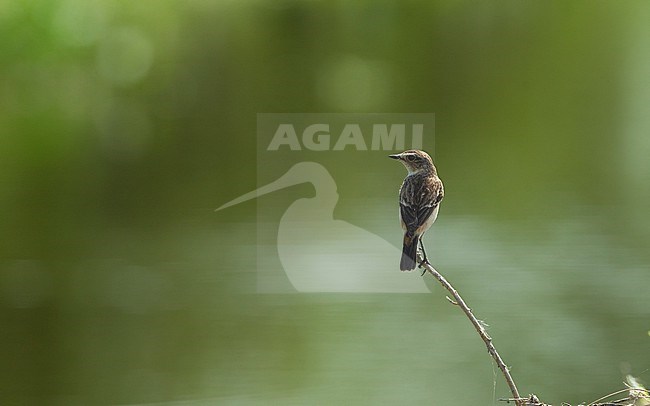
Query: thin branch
595, 402
635, 391
478, 326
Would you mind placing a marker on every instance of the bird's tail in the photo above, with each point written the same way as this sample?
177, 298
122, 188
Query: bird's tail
409, 252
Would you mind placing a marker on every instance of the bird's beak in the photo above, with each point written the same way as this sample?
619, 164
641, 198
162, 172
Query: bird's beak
292, 177
396, 156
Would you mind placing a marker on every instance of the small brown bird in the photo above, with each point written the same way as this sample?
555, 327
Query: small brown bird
419, 201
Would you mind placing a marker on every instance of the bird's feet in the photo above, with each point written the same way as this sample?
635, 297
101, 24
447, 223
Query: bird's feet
423, 257
421, 264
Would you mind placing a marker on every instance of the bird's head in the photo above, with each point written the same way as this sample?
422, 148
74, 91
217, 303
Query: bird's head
415, 161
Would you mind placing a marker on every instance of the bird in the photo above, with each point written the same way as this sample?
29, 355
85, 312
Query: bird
318, 252
420, 196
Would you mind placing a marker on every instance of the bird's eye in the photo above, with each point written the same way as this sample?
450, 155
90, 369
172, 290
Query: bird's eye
410, 158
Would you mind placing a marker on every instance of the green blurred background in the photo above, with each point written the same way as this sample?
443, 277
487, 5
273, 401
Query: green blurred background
123, 125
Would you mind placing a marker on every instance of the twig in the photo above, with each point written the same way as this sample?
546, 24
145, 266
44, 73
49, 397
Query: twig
595, 402
478, 326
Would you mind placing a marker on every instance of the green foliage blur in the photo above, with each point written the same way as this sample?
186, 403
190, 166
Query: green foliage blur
123, 125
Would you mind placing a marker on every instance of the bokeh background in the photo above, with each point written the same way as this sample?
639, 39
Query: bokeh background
123, 125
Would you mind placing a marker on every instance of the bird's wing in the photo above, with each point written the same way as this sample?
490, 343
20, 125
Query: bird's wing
418, 203
409, 216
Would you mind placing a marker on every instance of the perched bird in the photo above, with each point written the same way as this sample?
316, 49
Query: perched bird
419, 201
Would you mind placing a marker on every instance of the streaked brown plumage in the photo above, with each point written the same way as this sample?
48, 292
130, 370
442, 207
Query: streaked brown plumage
419, 201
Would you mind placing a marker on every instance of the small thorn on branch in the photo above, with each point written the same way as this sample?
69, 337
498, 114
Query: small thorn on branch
452, 301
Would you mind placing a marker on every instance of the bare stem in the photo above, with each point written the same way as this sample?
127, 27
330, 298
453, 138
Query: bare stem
478, 326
